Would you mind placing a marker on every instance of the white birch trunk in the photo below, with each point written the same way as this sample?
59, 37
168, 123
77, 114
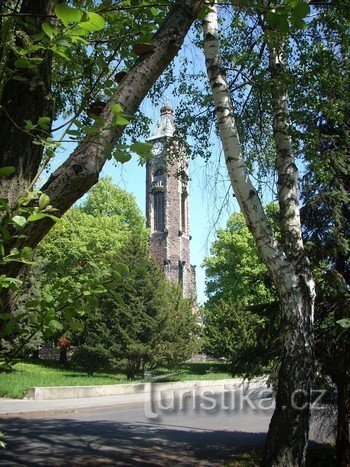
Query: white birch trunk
288, 432
287, 171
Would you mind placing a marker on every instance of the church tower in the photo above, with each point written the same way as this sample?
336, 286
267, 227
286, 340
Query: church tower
167, 204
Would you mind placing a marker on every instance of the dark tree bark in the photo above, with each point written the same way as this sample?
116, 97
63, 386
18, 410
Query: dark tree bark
288, 433
63, 356
25, 100
289, 427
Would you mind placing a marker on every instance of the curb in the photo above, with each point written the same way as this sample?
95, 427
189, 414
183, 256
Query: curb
77, 392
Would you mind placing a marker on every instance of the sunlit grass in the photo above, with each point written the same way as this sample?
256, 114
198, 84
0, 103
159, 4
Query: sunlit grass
30, 374
40, 374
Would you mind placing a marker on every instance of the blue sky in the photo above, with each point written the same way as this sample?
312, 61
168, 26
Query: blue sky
208, 205
210, 200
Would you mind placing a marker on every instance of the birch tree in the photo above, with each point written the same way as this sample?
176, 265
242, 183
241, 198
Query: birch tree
285, 260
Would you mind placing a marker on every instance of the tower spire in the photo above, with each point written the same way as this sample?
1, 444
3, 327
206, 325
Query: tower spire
166, 124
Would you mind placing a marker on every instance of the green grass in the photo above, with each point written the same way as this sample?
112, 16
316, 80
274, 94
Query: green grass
25, 375
196, 371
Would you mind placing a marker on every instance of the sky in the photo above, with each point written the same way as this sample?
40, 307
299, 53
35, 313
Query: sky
207, 198
210, 196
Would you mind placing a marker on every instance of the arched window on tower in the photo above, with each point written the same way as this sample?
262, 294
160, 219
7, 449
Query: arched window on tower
159, 211
183, 212
158, 173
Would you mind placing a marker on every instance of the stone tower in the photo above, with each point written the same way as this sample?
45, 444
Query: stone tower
167, 204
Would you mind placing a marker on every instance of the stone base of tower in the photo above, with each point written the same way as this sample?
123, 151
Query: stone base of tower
167, 257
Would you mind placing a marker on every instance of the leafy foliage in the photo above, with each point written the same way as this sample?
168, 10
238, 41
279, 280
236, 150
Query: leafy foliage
234, 270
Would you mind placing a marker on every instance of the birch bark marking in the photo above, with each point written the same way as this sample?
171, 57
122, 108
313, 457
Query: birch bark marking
285, 160
245, 192
288, 432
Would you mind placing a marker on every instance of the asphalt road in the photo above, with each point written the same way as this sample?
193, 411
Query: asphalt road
190, 431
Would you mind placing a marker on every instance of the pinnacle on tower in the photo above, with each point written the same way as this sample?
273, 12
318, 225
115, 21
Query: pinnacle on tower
166, 124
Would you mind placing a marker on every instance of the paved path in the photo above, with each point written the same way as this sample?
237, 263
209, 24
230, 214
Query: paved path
21, 406
190, 431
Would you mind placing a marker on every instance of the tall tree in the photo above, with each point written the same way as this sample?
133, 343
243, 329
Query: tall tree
286, 260
150, 324
81, 170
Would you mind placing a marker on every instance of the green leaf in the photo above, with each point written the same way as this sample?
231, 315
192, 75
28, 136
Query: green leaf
282, 23
122, 269
6, 171
36, 217
91, 130
26, 251
61, 51
78, 31
49, 30
122, 157
344, 323
19, 78
44, 201
298, 23
73, 132
32, 303
98, 289
19, 221
301, 10
27, 62
120, 121
54, 324
29, 125
117, 108
9, 328
67, 14
6, 315
272, 18
141, 148
94, 23
53, 218
44, 123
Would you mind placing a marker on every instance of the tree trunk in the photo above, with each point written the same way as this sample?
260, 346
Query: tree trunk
342, 441
287, 437
81, 170
25, 100
63, 356
288, 446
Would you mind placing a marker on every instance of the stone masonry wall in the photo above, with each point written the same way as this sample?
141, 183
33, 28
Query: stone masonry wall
171, 248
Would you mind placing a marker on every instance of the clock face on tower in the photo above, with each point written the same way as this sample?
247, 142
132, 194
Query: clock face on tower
157, 148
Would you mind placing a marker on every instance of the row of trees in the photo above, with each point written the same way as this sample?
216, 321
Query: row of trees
264, 61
